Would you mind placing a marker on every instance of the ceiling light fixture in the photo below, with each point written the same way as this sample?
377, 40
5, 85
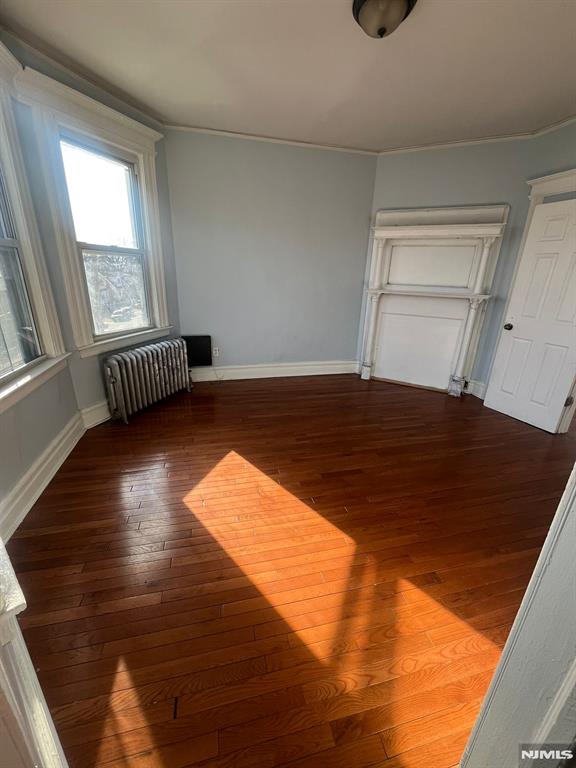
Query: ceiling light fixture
379, 18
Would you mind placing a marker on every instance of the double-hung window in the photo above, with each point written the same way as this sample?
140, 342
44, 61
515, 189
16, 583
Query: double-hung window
107, 214
99, 170
19, 343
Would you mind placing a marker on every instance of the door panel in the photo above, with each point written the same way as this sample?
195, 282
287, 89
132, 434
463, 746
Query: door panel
535, 362
515, 365
567, 311
539, 283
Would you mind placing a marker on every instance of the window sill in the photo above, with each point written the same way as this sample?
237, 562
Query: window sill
108, 345
30, 379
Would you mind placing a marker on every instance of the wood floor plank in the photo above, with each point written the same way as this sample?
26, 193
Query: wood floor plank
430, 728
287, 573
441, 753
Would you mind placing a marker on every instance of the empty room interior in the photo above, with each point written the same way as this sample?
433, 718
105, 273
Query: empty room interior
287, 383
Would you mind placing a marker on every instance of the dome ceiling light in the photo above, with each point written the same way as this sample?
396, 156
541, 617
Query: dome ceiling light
379, 18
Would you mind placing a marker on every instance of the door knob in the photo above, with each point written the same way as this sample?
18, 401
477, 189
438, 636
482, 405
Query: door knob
508, 327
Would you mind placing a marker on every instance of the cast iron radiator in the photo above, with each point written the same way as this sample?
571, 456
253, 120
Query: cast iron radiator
142, 376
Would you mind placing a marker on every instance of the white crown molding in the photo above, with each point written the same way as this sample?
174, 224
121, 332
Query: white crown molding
77, 110
273, 370
267, 139
523, 135
16, 505
29, 86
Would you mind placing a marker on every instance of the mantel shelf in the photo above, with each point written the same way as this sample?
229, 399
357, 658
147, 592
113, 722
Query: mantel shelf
474, 231
429, 294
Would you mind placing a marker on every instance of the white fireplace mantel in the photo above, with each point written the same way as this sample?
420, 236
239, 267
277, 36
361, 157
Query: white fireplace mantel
434, 253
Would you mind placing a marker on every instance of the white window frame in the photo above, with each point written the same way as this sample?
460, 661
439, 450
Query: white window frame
139, 249
59, 110
52, 357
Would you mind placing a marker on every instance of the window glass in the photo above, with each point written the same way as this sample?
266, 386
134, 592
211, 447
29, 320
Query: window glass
105, 208
101, 191
18, 338
117, 291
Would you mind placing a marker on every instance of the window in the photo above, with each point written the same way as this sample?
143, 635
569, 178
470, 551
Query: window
19, 343
106, 211
99, 170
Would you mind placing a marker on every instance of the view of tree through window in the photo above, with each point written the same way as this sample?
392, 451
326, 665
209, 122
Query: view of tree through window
117, 292
105, 208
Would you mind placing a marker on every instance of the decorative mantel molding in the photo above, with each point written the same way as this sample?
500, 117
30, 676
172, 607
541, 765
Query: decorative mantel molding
438, 230
437, 227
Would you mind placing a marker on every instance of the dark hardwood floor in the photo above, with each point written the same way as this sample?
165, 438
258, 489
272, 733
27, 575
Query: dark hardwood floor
313, 572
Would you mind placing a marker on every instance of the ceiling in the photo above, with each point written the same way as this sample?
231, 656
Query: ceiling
302, 70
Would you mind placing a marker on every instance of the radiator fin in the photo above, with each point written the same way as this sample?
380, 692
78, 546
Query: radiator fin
139, 377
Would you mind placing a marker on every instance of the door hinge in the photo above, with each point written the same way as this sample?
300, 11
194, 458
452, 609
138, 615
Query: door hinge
569, 401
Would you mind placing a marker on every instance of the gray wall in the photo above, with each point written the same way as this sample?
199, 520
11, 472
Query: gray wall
29, 426
473, 175
271, 239
270, 244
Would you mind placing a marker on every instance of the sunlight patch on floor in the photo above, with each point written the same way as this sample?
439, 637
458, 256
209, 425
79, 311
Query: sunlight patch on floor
235, 492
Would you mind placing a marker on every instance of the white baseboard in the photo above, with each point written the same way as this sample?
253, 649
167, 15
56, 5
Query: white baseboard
477, 388
95, 414
273, 370
16, 505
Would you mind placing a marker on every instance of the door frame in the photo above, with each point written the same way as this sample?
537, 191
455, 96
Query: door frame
563, 183
556, 721
568, 415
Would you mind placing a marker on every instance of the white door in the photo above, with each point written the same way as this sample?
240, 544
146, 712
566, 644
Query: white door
535, 363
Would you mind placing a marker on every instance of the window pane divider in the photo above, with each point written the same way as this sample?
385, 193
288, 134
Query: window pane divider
110, 249
111, 336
